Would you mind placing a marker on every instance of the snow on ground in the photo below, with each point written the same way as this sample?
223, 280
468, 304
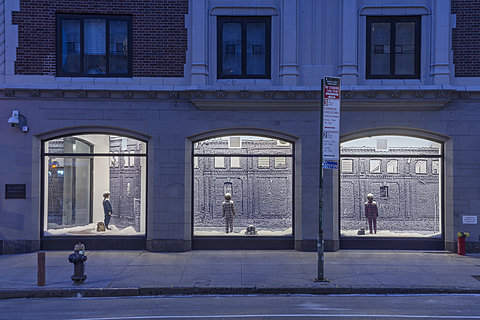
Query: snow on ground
91, 230
240, 232
393, 234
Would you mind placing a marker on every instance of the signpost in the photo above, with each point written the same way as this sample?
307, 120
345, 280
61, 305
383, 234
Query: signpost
329, 151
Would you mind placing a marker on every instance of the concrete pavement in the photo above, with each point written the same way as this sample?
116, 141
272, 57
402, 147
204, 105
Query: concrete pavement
126, 273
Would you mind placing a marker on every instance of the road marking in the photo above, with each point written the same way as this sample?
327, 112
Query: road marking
226, 316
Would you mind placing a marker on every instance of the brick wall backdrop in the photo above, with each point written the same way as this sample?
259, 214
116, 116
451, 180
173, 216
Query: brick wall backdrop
466, 38
159, 34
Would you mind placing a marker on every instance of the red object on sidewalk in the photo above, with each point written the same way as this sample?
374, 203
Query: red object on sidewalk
461, 246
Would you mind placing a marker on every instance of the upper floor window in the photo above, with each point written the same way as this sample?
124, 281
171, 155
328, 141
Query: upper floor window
393, 47
347, 166
392, 166
375, 166
219, 162
263, 162
235, 162
243, 47
421, 166
94, 45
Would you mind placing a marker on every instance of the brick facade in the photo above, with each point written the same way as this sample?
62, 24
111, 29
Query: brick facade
159, 33
466, 38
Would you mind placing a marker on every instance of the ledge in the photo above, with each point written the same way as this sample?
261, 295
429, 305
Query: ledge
299, 98
208, 104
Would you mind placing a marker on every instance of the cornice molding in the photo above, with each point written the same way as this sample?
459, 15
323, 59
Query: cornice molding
268, 99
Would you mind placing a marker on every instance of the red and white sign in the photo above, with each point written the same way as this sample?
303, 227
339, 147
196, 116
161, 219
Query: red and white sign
331, 108
331, 120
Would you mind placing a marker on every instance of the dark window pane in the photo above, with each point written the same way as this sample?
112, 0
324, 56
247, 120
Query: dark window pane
380, 48
95, 43
71, 46
118, 47
256, 48
405, 48
232, 48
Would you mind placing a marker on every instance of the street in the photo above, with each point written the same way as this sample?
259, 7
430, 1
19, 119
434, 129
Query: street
453, 306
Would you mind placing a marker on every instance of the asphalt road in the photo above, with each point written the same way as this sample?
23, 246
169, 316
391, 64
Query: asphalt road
247, 307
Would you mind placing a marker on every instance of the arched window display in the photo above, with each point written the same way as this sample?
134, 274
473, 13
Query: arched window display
78, 170
258, 174
404, 176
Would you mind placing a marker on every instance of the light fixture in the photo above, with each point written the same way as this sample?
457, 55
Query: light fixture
19, 120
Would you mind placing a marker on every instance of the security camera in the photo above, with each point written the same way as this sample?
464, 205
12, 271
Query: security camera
13, 120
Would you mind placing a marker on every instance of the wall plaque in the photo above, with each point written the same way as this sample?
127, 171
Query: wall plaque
15, 191
469, 219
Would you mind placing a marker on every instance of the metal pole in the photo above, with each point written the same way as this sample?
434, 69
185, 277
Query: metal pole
320, 249
41, 269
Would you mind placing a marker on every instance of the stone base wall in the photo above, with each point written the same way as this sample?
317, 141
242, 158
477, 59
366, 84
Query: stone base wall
168, 245
470, 246
19, 246
311, 245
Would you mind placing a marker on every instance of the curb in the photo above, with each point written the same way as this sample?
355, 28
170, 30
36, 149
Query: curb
170, 291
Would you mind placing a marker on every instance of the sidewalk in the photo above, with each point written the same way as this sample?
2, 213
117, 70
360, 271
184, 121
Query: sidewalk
126, 273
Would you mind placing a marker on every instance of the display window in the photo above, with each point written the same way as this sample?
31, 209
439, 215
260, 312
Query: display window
406, 194
260, 193
94, 185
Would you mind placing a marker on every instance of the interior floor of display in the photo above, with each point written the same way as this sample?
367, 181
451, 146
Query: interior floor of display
388, 233
237, 231
90, 230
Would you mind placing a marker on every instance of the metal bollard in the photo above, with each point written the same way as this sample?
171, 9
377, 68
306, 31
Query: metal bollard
41, 269
78, 258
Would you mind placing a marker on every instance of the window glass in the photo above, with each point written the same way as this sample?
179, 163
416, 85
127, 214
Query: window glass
263, 162
347, 166
71, 46
95, 46
219, 162
91, 45
243, 47
118, 46
435, 167
232, 48
393, 47
235, 162
235, 142
408, 195
405, 48
254, 145
384, 191
375, 166
262, 194
255, 48
421, 166
380, 48
78, 170
80, 144
228, 188
280, 162
195, 162
392, 166
392, 144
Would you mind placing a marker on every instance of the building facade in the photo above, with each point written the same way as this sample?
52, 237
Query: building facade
170, 104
